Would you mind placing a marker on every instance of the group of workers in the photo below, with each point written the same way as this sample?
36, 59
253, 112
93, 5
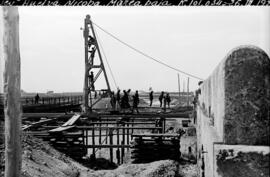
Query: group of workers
122, 102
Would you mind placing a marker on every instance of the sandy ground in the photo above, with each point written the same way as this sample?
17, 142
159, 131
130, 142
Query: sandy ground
40, 159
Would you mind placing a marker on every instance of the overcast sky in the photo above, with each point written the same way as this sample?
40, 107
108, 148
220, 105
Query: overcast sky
192, 39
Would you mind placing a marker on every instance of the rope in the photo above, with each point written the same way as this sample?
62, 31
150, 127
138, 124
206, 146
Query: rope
103, 52
146, 55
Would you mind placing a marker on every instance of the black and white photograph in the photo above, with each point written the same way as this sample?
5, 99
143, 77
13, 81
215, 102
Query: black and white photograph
135, 91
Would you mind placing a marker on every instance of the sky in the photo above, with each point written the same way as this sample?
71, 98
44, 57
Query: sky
192, 39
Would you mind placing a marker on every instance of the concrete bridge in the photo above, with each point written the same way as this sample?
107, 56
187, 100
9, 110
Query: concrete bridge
233, 107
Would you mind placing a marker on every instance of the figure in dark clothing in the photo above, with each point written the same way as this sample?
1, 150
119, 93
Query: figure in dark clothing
161, 96
37, 99
113, 101
151, 97
168, 100
95, 94
125, 101
118, 98
92, 80
136, 101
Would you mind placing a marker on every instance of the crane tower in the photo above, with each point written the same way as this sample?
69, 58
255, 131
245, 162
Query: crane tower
91, 47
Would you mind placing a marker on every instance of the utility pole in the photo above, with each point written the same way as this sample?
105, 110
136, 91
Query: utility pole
188, 91
12, 89
91, 46
179, 88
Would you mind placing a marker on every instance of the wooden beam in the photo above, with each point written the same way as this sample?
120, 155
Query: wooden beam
107, 146
155, 135
142, 115
12, 91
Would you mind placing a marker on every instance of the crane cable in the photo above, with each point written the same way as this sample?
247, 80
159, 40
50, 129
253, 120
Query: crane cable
103, 52
146, 55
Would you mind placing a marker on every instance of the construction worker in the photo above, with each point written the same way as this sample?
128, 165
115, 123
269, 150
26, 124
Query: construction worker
92, 55
125, 101
37, 99
151, 97
136, 101
118, 98
161, 96
92, 80
113, 101
167, 100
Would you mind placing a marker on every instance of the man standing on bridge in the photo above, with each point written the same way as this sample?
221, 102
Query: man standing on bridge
136, 101
167, 100
37, 99
161, 96
113, 101
151, 97
118, 98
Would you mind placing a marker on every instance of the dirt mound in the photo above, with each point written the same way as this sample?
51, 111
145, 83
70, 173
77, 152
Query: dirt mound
164, 168
40, 159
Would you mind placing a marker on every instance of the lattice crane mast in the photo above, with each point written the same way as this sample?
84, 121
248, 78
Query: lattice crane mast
91, 46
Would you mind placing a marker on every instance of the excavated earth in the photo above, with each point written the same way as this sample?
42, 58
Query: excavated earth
39, 159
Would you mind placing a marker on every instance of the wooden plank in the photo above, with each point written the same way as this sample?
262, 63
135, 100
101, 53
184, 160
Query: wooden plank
155, 135
48, 115
124, 122
72, 120
142, 115
107, 146
105, 128
12, 88
36, 124
60, 129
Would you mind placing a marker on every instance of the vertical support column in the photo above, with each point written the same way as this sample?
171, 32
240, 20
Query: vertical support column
118, 143
127, 134
100, 132
12, 90
188, 91
86, 134
123, 143
93, 142
86, 84
122, 152
106, 141
179, 89
111, 143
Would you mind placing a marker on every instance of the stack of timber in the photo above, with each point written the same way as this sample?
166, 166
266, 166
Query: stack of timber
147, 148
69, 140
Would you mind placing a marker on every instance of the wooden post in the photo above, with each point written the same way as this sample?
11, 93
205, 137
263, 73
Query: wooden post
111, 143
118, 151
86, 134
188, 91
123, 134
179, 88
12, 90
122, 152
132, 128
93, 142
106, 132
123, 143
127, 135
100, 131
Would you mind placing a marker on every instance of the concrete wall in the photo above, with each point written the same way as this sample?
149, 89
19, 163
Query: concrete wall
1, 77
233, 104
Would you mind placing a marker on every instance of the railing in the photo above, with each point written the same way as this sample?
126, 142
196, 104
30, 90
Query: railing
54, 100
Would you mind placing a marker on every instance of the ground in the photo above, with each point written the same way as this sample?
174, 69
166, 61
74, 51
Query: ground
40, 159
